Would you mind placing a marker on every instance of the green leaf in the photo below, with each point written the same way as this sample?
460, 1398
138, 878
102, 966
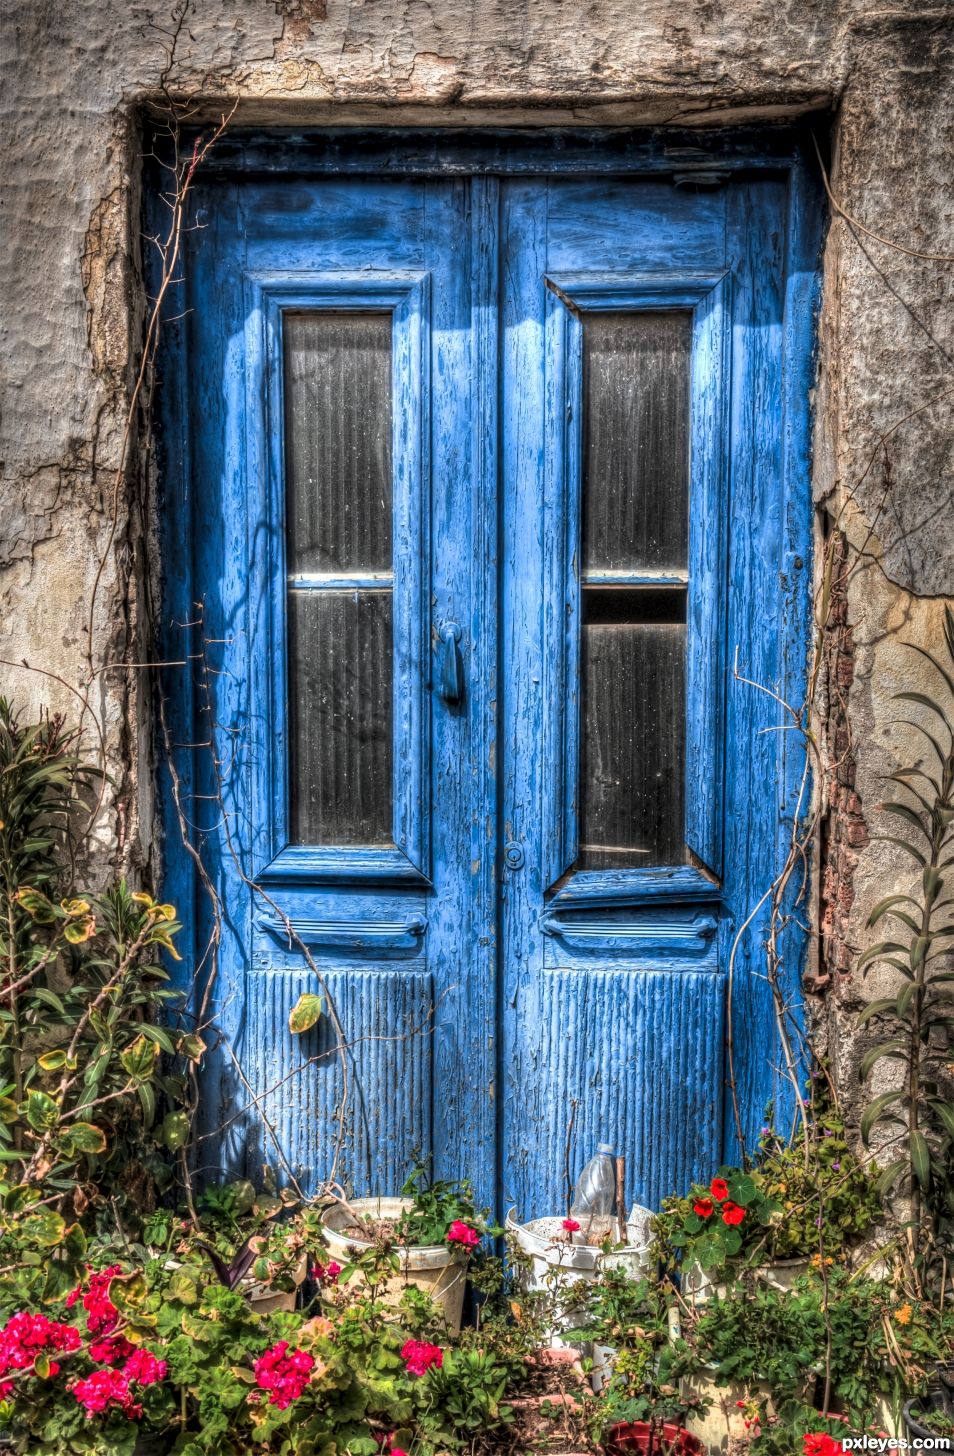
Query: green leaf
877, 1008
139, 1058
883, 906
306, 1012
174, 1132
920, 1158
894, 1048
873, 1112
52, 1061
85, 1137
905, 812
945, 1111
49, 998
42, 1112
46, 1228
909, 848
161, 1037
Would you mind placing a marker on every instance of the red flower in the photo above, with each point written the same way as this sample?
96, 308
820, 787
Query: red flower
111, 1351
732, 1213
25, 1335
461, 1233
703, 1207
143, 1367
283, 1373
819, 1443
571, 1225
719, 1189
418, 1356
104, 1390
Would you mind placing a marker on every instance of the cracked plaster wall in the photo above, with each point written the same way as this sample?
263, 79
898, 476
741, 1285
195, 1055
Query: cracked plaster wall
72, 77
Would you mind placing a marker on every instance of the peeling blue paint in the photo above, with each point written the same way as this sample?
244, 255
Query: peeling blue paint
483, 997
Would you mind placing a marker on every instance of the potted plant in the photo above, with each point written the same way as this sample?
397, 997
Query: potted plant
429, 1232
932, 1415
757, 1351
646, 1405
716, 1226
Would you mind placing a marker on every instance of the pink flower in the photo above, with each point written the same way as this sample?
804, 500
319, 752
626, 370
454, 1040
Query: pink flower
106, 1390
326, 1273
418, 1356
25, 1335
101, 1314
283, 1373
110, 1351
571, 1225
461, 1233
145, 1368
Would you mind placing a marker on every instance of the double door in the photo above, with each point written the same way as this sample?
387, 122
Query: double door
489, 482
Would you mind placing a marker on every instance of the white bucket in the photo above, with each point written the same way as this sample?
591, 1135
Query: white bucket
554, 1259
439, 1269
551, 1251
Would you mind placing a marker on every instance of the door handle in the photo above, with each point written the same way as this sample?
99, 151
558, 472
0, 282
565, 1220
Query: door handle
452, 667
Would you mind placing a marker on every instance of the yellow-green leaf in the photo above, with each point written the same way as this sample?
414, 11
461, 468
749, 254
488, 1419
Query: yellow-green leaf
46, 1228
85, 1137
306, 1012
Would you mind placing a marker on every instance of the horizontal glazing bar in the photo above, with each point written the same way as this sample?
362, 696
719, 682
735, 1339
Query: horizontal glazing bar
635, 578
334, 581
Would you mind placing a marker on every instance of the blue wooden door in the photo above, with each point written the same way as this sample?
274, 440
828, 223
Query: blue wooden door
485, 479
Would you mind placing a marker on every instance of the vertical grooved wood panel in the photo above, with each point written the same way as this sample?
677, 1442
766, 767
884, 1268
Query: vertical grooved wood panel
640, 1052
385, 1016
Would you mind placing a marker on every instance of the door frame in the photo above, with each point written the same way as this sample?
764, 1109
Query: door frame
688, 159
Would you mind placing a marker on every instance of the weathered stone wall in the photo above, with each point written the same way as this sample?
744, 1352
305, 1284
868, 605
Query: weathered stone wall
72, 552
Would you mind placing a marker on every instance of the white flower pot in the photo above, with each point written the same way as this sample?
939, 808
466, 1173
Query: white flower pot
439, 1269
554, 1260
782, 1273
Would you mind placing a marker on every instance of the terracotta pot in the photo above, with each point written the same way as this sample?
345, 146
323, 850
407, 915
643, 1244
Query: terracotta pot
672, 1440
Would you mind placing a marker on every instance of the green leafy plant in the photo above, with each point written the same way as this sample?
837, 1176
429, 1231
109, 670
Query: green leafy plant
83, 1004
915, 1024
762, 1334
827, 1198
729, 1221
437, 1206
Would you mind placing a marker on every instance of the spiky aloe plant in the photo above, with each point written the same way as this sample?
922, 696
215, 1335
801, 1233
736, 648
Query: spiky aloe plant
918, 1019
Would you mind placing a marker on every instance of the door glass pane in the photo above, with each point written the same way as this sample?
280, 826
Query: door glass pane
338, 440
339, 660
636, 441
634, 588
337, 383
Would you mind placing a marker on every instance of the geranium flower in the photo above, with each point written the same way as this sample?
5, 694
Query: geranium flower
110, 1351
461, 1233
283, 1373
419, 1356
703, 1207
819, 1443
106, 1390
571, 1225
25, 1335
719, 1189
732, 1213
145, 1368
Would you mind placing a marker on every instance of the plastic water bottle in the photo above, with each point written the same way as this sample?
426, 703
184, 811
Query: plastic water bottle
594, 1197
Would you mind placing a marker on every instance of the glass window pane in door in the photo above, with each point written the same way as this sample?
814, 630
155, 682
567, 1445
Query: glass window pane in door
634, 586
636, 441
338, 469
